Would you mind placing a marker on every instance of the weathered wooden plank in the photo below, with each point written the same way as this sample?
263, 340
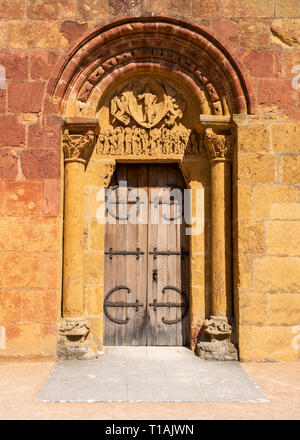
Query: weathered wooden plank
146, 326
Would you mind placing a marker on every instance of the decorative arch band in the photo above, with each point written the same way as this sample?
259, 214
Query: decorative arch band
181, 48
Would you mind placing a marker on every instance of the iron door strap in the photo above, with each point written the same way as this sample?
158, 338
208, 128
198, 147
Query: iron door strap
138, 252
156, 252
120, 304
185, 305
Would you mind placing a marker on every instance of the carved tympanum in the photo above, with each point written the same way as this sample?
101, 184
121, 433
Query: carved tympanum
148, 102
77, 147
146, 119
217, 328
218, 146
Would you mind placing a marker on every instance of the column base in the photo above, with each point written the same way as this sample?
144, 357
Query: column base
75, 340
79, 352
216, 351
214, 343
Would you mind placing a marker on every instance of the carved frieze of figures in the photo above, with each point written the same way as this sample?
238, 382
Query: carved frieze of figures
147, 103
125, 141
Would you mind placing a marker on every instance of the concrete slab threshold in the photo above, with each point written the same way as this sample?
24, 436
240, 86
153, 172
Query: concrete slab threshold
149, 374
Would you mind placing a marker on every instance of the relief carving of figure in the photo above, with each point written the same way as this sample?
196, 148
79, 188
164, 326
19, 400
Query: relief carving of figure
149, 110
174, 112
128, 141
144, 141
119, 109
148, 102
140, 141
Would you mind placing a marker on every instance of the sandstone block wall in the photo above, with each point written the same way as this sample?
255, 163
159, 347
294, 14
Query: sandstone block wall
265, 37
267, 240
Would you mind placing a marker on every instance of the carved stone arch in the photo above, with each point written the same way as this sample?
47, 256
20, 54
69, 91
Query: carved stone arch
97, 71
183, 47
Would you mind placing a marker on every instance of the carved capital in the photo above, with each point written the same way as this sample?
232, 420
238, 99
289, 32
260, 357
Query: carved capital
217, 328
219, 146
77, 147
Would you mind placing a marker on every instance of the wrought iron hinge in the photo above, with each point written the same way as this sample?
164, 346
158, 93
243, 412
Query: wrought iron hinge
183, 305
121, 304
156, 252
138, 252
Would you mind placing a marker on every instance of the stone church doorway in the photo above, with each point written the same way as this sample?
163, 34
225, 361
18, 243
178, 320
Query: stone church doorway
130, 94
146, 283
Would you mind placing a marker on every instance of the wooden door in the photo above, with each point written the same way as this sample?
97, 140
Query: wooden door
146, 258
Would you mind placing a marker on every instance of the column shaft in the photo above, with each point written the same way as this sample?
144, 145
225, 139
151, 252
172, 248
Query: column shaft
220, 238
73, 289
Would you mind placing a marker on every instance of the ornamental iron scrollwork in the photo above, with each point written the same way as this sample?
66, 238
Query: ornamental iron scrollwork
185, 305
121, 304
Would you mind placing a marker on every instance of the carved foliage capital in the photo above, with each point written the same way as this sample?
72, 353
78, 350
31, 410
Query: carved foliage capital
219, 146
77, 147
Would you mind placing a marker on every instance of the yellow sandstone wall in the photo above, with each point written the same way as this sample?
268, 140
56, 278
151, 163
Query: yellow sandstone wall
265, 37
268, 239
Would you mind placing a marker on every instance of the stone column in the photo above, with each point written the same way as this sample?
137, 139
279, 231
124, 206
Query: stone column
78, 143
216, 331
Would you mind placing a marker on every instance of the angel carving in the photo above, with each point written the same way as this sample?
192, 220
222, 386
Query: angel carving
119, 109
175, 110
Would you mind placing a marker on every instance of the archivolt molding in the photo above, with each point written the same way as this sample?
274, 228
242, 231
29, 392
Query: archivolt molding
151, 58
175, 47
